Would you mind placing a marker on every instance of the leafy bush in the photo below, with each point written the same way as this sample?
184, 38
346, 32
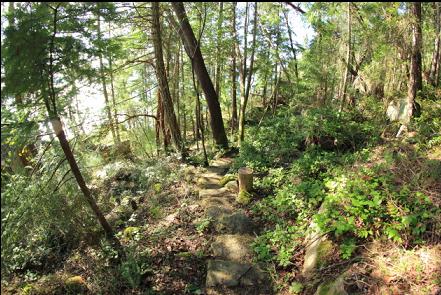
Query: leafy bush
368, 204
282, 138
39, 225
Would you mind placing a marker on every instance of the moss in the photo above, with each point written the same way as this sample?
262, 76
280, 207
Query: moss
130, 232
324, 252
226, 179
27, 290
243, 197
296, 288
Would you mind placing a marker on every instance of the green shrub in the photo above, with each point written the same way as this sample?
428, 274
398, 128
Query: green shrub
281, 139
367, 204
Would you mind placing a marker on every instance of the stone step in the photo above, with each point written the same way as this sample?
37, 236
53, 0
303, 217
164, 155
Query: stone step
217, 201
211, 178
221, 163
213, 192
233, 247
231, 274
211, 185
235, 223
217, 170
216, 213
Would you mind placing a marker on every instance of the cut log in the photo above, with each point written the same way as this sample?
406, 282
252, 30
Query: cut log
245, 179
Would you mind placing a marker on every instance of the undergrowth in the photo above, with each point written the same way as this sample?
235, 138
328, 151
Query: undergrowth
365, 188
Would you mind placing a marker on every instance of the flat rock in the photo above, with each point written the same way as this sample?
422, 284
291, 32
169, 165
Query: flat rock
225, 272
212, 192
217, 170
209, 179
236, 223
216, 201
221, 163
233, 247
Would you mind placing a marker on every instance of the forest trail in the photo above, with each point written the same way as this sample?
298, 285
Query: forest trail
230, 268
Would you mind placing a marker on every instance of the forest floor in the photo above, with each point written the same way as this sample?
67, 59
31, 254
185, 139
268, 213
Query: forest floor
179, 242
171, 229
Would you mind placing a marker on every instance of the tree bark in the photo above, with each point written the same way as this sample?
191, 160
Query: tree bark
436, 56
415, 59
167, 101
118, 136
194, 53
218, 49
248, 85
417, 44
291, 43
233, 73
348, 60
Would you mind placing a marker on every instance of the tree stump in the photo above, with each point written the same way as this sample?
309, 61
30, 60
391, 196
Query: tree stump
245, 179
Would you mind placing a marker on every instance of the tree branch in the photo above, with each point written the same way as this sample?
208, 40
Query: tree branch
295, 7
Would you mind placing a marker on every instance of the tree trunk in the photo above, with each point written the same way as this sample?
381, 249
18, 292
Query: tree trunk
248, 85
233, 74
58, 129
162, 80
348, 60
218, 49
194, 53
116, 126
417, 44
436, 56
291, 43
415, 59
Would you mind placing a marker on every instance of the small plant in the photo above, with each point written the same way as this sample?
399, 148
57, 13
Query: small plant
131, 272
347, 248
204, 224
296, 288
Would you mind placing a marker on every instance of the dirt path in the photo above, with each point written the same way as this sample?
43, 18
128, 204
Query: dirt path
230, 268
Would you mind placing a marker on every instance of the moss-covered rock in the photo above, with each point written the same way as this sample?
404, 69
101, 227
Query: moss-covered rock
227, 178
243, 197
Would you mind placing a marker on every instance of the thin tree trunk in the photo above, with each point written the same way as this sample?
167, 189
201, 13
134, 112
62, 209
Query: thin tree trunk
348, 60
167, 101
183, 98
194, 53
218, 49
291, 43
415, 59
436, 56
233, 74
199, 119
248, 85
118, 136
418, 44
